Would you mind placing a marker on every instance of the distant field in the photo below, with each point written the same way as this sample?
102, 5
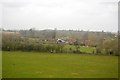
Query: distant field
44, 65
83, 49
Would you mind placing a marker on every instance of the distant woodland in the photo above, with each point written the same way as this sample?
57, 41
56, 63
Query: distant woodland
61, 41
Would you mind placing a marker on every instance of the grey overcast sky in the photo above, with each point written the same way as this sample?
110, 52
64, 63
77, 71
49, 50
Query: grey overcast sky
93, 15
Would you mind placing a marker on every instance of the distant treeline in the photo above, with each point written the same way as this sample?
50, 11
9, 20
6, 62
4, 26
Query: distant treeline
35, 40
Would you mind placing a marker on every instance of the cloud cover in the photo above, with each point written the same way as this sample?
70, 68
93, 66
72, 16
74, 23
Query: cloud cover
60, 14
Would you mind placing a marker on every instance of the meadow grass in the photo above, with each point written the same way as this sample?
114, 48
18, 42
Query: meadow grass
0, 64
46, 65
83, 49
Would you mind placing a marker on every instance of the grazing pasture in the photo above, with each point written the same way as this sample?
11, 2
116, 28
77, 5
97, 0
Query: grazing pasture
58, 65
0, 64
82, 49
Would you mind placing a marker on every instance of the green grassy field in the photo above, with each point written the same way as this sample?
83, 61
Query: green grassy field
0, 64
82, 49
44, 65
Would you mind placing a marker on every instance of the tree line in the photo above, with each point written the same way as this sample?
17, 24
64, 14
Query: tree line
106, 43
